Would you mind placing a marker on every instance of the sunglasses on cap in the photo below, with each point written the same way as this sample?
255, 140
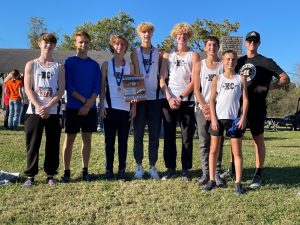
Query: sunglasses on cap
252, 40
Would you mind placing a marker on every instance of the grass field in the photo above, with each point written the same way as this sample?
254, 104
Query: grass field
153, 202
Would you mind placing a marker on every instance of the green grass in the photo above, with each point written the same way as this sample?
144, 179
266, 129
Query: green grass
153, 202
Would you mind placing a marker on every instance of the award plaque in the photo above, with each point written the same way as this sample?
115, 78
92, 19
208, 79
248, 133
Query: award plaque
134, 88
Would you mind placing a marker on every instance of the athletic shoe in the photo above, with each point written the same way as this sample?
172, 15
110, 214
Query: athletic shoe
185, 175
227, 175
256, 182
88, 177
109, 175
210, 185
202, 180
122, 175
28, 183
171, 173
220, 182
51, 182
238, 189
139, 172
153, 173
65, 179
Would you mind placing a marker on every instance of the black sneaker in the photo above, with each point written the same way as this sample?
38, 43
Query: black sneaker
88, 177
238, 189
256, 182
202, 180
122, 175
185, 175
227, 175
171, 173
65, 179
220, 182
210, 185
109, 175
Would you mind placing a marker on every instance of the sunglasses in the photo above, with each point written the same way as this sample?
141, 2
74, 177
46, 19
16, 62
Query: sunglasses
252, 40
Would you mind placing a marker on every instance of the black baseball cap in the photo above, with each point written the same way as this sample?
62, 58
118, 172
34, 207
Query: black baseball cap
253, 35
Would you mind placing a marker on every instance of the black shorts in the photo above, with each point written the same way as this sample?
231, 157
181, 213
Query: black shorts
225, 124
86, 123
256, 120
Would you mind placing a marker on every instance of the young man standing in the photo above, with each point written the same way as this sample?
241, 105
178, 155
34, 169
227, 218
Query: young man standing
259, 71
83, 80
44, 83
145, 59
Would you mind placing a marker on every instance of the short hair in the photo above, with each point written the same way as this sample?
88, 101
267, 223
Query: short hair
114, 38
49, 37
229, 52
15, 73
182, 28
212, 38
81, 34
145, 26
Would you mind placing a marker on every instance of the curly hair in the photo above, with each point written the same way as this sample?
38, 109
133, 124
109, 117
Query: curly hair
145, 26
182, 28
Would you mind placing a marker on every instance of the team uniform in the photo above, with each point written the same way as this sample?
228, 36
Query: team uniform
117, 115
206, 77
180, 72
150, 111
259, 71
83, 76
227, 103
45, 86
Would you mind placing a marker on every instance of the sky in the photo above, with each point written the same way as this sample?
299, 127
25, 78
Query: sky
276, 20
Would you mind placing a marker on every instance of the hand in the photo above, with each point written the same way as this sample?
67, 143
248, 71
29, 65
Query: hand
242, 123
214, 125
173, 103
83, 111
260, 89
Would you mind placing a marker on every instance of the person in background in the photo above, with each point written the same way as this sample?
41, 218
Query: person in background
44, 82
25, 102
83, 81
145, 59
13, 89
178, 67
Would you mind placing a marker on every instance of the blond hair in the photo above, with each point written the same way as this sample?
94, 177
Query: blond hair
182, 28
81, 34
145, 26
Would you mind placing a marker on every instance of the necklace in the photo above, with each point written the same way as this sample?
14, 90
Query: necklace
147, 63
118, 75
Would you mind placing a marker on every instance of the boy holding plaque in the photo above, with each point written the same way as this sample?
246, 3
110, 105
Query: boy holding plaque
145, 59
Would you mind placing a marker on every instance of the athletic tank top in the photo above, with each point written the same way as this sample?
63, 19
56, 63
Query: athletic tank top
228, 99
45, 86
180, 73
206, 76
115, 92
151, 78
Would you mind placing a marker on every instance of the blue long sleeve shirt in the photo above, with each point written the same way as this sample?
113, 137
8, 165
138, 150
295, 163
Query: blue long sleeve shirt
82, 76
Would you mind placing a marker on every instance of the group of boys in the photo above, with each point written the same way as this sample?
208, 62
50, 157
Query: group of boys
45, 81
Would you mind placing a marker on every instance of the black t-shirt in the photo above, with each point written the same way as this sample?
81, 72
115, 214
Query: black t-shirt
259, 71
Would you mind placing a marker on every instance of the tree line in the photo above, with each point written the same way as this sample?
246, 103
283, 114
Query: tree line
280, 102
